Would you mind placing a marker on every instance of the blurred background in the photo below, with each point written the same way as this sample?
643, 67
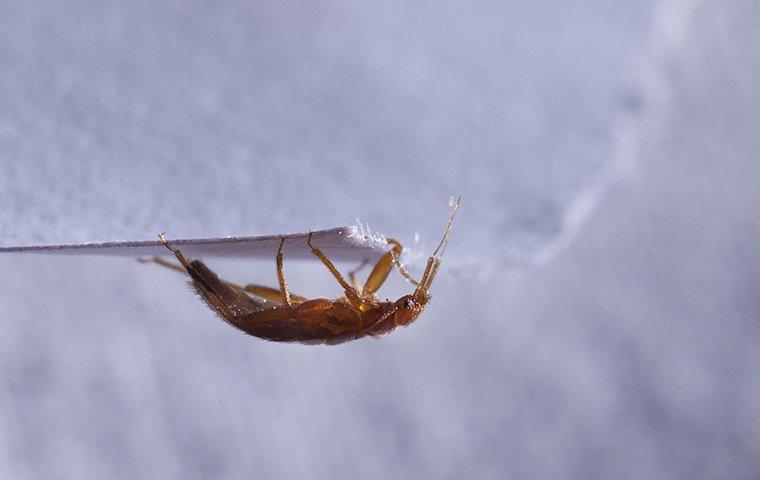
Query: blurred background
598, 315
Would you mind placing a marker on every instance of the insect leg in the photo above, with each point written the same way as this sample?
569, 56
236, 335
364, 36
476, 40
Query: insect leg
263, 292
230, 302
404, 272
281, 295
284, 293
351, 293
352, 275
163, 263
383, 267
272, 294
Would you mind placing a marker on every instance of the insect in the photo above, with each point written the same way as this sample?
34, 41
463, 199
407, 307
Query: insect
276, 314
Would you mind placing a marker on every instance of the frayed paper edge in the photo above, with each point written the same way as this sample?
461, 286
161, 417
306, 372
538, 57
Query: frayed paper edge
362, 235
415, 253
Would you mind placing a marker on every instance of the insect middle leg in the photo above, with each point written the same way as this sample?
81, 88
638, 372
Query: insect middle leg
284, 293
272, 294
352, 275
352, 293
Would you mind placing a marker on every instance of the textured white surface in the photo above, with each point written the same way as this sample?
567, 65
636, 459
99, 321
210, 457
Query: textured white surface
236, 118
632, 353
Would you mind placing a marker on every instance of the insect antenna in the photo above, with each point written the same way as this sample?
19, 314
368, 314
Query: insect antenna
454, 206
434, 261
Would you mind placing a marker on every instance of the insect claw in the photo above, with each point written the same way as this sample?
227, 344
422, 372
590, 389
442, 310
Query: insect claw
282, 243
165, 243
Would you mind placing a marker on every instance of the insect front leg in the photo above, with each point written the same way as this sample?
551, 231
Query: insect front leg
383, 267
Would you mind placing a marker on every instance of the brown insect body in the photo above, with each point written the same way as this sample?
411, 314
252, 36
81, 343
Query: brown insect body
320, 321
277, 315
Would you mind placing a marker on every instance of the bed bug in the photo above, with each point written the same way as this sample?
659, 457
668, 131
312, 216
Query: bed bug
276, 314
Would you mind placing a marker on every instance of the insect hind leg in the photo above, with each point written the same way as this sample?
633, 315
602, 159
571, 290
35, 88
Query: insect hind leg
164, 263
228, 300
